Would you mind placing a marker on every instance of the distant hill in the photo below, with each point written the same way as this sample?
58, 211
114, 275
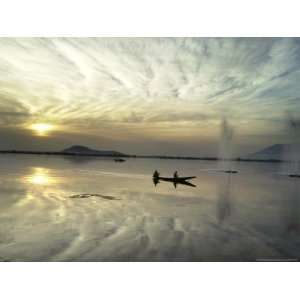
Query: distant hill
78, 149
275, 152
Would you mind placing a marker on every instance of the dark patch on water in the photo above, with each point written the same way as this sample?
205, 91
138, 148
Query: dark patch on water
94, 195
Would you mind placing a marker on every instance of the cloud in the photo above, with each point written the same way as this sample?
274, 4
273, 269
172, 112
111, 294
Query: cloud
178, 116
12, 111
108, 83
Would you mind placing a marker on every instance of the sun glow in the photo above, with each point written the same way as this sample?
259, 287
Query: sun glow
42, 129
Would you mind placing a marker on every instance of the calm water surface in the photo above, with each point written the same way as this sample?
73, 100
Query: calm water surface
240, 217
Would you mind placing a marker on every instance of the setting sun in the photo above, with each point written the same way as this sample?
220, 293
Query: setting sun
42, 129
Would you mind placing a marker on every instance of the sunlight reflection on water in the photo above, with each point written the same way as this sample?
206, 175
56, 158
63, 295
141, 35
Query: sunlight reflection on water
40, 176
56, 210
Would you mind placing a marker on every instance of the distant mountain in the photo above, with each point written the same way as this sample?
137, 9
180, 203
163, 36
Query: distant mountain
275, 152
78, 149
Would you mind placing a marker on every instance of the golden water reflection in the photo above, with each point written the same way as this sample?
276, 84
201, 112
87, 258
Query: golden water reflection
40, 176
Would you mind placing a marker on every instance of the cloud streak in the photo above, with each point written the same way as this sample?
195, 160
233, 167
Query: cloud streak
102, 84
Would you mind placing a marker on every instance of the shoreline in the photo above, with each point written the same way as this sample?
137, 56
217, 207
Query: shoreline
60, 153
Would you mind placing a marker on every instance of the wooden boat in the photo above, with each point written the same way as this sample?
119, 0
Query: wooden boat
119, 160
294, 175
230, 171
174, 179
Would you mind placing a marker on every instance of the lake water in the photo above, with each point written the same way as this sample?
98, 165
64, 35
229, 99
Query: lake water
252, 215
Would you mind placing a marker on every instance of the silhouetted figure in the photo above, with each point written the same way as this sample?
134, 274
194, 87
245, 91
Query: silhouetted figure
155, 180
155, 174
175, 174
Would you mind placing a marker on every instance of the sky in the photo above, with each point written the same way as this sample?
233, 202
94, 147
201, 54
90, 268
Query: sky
163, 96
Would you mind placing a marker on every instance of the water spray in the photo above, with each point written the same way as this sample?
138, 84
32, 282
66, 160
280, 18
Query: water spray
226, 148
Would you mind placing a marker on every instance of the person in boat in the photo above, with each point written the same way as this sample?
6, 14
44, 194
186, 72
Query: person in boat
175, 174
155, 174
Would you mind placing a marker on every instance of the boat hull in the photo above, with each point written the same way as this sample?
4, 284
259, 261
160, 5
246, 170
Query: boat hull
174, 179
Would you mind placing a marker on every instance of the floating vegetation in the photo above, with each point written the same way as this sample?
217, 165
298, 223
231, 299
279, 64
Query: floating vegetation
94, 195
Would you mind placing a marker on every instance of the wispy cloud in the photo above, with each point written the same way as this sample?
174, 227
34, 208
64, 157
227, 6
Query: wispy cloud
143, 82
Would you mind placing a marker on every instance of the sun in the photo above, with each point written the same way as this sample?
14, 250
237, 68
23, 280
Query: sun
42, 129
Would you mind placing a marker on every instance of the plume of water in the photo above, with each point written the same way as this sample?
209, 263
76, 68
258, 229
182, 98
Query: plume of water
226, 153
